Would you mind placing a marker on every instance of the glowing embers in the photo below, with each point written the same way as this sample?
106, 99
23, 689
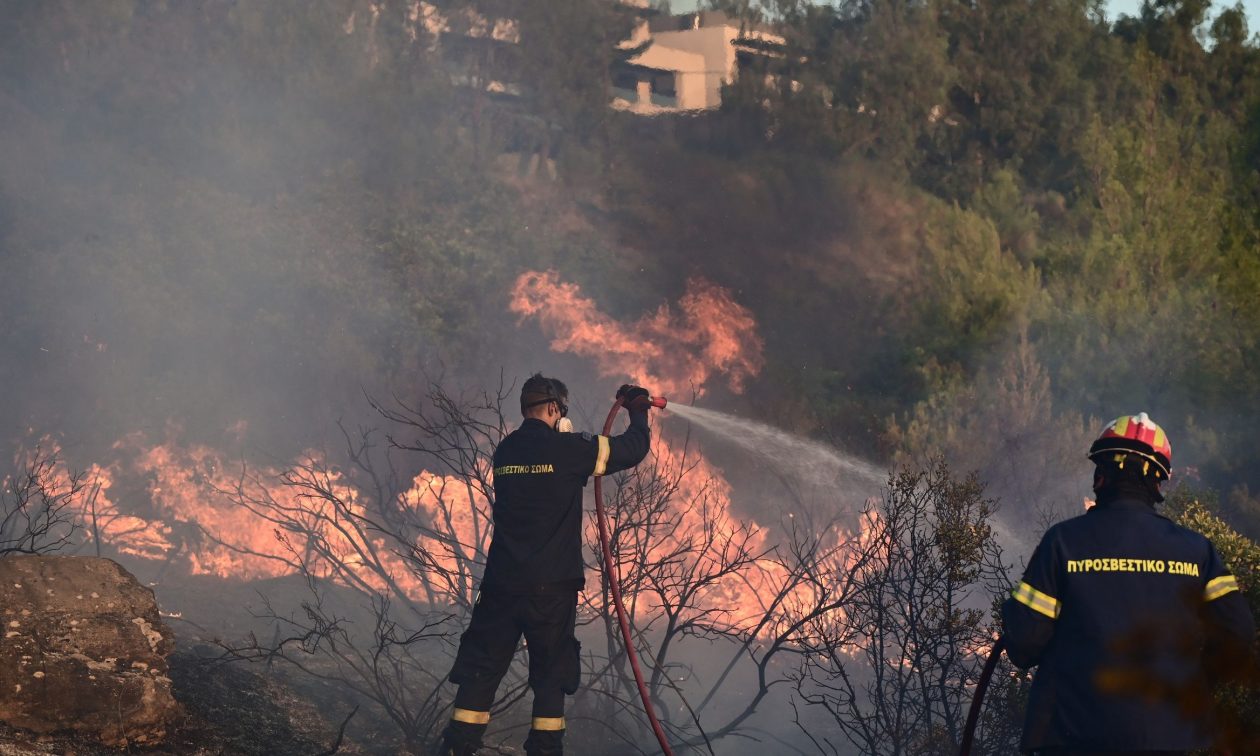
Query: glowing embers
673, 352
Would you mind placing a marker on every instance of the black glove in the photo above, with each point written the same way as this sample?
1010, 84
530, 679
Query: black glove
634, 397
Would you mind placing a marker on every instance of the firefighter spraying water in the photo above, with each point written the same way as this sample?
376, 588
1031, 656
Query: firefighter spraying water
534, 569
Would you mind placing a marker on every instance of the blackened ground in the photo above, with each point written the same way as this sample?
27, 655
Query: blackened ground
236, 708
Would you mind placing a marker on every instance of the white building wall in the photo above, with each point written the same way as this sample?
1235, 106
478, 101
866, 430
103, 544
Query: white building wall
690, 85
693, 91
713, 45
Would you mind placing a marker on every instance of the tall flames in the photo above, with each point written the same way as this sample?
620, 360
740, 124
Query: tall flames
193, 505
672, 351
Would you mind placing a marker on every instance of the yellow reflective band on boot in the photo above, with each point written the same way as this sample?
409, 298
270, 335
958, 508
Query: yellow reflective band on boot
601, 459
1037, 601
1218, 587
549, 724
470, 717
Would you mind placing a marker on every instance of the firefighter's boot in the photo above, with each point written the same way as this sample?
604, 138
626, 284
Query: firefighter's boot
461, 739
545, 742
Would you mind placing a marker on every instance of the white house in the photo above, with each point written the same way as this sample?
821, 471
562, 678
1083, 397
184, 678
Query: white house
687, 61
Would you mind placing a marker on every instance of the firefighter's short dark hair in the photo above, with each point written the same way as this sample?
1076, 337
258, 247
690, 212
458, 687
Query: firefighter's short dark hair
539, 389
1126, 469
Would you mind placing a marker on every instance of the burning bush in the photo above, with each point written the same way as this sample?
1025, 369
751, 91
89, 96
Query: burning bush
389, 561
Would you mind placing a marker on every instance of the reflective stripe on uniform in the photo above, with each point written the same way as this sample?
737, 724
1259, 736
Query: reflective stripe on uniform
470, 717
601, 459
548, 723
1037, 601
1218, 587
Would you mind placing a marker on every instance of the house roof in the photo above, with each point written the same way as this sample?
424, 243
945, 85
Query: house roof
662, 58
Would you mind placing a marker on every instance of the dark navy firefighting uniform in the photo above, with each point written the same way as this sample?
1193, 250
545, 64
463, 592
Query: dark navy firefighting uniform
534, 571
1118, 607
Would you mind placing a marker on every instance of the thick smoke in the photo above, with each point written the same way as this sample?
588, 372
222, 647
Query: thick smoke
169, 254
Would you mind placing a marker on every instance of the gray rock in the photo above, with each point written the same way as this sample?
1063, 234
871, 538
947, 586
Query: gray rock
83, 649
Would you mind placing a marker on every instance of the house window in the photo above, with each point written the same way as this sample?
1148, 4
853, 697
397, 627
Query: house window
663, 84
625, 86
663, 90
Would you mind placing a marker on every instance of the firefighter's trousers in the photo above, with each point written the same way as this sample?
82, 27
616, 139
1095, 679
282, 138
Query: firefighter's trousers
546, 620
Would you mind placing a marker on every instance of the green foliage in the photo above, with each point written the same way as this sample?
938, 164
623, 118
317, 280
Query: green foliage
971, 228
1006, 427
868, 79
1029, 77
975, 293
1197, 510
930, 566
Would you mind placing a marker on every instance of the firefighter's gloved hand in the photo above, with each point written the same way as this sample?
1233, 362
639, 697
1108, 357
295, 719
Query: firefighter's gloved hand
635, 398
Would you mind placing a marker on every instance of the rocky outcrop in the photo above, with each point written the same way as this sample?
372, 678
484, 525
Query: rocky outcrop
83, 649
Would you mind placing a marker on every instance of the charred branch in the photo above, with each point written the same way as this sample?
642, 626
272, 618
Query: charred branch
39, 505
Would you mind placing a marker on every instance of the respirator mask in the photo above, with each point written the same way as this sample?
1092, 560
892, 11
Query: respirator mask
564, 424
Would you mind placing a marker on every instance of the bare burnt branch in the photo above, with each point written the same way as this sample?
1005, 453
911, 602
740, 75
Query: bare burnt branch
406, 550
402, 554
392, 667
341, 734
458, 432
679, 552
39, 504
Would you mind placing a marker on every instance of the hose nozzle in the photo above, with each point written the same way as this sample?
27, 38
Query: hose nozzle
644, 402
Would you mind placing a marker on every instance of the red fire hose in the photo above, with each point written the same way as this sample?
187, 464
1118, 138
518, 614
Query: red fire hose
982, 685
614, 586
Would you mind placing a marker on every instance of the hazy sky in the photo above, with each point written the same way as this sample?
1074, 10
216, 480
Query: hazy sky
1117, 9
1130, 8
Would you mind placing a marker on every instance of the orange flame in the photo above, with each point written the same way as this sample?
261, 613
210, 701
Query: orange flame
670, 352
199, 511
194, 516
105, 522
93, 510
194, 513
725, 565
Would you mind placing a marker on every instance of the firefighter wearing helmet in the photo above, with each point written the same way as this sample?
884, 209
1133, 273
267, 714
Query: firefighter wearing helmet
1123, 611
534, 568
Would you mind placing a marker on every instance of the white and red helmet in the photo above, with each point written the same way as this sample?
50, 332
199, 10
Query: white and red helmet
1135, 435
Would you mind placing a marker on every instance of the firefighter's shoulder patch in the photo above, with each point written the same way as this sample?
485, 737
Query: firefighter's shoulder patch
586, 436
